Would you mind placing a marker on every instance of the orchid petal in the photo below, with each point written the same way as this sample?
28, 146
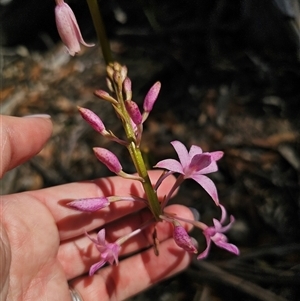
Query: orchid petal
200, 162
101, 237
212, 167
77, 30
217, 225
221, 241
182, 153
223, 214
91, 238
170, 164
208, 185
205, 252
217, 155
227, 227
195, 150
96, 266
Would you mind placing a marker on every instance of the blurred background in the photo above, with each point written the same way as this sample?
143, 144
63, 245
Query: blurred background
230, 73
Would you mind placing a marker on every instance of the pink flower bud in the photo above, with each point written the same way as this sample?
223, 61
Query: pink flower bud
123, 72
89, 204
133, 111
68, 28
108, 158
104, 95
127, 85
183, 240
151, 97
92, 119
127, 88
101, 94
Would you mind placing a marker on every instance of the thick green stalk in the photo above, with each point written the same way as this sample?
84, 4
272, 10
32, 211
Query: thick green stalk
134, 151
100, 30
137, 158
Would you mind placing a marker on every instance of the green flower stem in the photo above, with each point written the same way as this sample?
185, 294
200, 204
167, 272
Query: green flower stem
136, 155
133, 149
100, 30
138, 160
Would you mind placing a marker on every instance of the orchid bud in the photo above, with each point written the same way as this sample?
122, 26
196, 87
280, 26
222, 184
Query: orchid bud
68, 28
117, 79
108, 158
101, 94
117, 66
133, 111
104, 95
89, 204
92, 119
183, 240
127, 85
123, 72
151, 97
127, 88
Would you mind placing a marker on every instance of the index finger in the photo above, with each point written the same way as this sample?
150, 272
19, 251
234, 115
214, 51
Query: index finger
72, 223
16, 133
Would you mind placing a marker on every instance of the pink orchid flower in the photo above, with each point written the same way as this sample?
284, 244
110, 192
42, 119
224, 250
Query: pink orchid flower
194, 164
215, 234
108, 251
68, 28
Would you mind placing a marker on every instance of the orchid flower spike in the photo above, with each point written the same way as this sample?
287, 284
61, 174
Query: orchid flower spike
68, 28
194, 164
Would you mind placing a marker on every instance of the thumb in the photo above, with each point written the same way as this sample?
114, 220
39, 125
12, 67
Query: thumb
21, 138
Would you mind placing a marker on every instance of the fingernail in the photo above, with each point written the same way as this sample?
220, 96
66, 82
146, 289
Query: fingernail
38, 115
196, 213
195, 242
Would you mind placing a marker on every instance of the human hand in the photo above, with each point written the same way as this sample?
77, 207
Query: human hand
43, 246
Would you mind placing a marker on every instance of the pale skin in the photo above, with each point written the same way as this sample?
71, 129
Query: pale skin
43, 248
